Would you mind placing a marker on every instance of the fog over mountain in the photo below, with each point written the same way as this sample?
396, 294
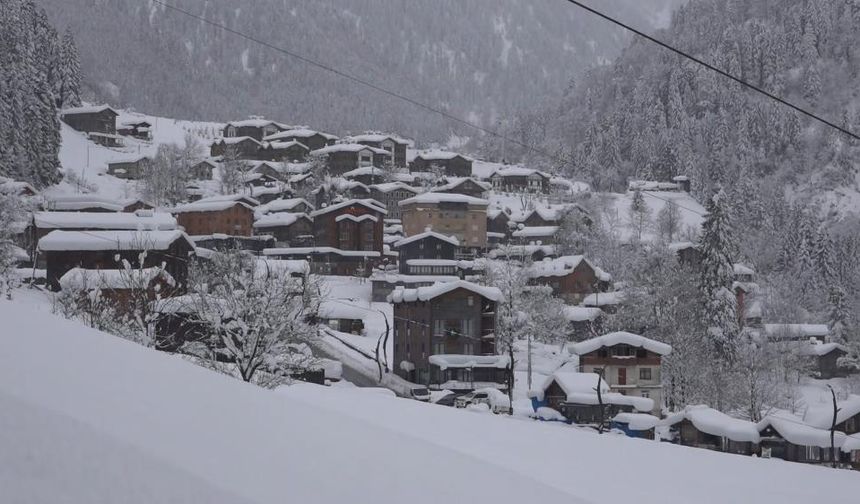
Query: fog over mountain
481, 59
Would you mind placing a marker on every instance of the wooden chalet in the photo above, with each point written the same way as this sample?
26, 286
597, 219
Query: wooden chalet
130, 169
787, 438
427, 245
254, 127
391, 194
65, 250
350, 225
289, 205
342, 158
704, 427
449, 163
824, 359
98, 122
571, 278
289, 151
212, 215
454, 347
16, 188
288, 229
142, 130
313, 140
123, 289
518, 179
391, 143
203, 170
463, 185
575, 396
243, 147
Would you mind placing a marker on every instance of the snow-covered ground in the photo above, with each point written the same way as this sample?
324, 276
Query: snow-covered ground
88, 417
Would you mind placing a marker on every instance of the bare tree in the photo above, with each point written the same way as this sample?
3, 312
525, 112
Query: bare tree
669, 221
259, 320
231, 171
639, 214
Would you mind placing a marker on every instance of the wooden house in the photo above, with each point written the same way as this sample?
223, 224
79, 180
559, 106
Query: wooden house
98, 122
426, 245
787, 438
290, 205
497, 222
575, 396
454, 346
288, 229
631, 364
243, 147
367, 175
519, 180
207, 217
123, 289
459, 215
254, 127
463, 185
203, 170
65, 250
583, 323
330, 260
342, 158
313, 140
391, 143
16, 187
847, 417
544, 235
384, 283
704, 427
449, 163
391, 194
571, 278
350, 225
131, 169
141, 130
824, 359
290, 151
225, 243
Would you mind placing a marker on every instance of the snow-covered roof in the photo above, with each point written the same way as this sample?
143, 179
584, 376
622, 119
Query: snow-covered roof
395, 278
441, 288
135, 159
236, 140
337, 309
599, 299
297, 133
10, 186
393, 186
356, 218
319, 250
517, 171
281, 205
78, 202
522, 250
637, 421
111, 240
455, 182
350, 147
581, 314
796, 331
717, 423
740, 269
650, 185
535, 232
433, 198
445, 361
817, 348
683, 245
439, 155
572, 382
793, 430
557, 267
428, 234
92, 109
255, 122
286, 145
377, 137
620, 338
89, 279
209, 206
230, 197
279, 219
364, 170
821, 417
371, 204
104, 220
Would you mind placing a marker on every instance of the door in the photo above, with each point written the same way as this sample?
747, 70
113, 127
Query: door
622, 376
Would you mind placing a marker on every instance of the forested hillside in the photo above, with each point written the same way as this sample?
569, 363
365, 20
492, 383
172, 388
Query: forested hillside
481, 59
39, 73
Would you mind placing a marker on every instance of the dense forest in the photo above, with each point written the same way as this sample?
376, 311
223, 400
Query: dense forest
481, 59
39, 73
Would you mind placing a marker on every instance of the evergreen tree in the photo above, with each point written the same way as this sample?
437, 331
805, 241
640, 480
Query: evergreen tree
69, 84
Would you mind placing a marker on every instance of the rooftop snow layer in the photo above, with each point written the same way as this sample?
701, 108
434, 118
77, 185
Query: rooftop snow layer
717, 423
104, 220
427, 293
279, 219
445, 361
349, 147
88, 279
111, 240
620, 338
822, 417
428, 234
371, 204
438, 155
93, 109
432, 198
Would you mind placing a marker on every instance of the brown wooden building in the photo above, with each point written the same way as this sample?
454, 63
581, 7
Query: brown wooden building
518, 179
313, 140
210, 217
288, 229
391, 143
130, 169
391, 194
290, 151
350, 225
450, 163
244, 147
96, 119
571, 278
463, 185
65, 250
342, 158
141, 130
450, 214
440, 330
123, 289
255, 127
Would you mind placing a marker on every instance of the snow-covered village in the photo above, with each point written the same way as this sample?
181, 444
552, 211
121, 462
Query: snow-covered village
364, 251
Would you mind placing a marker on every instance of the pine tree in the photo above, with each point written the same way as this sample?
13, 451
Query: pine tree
69, 89
718, 248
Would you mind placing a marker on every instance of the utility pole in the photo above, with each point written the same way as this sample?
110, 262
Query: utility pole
529, 361
833, 428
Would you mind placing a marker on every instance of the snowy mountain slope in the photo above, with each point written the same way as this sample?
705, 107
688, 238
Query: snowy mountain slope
481, 59
315, 444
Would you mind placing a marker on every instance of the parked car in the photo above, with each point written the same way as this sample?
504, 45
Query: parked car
445, 399
494, 398
420, 394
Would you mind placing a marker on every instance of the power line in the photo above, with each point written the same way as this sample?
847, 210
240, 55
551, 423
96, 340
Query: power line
714, 68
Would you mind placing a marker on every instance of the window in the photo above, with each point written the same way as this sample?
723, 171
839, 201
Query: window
439, 348
645, 374
468, 348
438, 327
470, 301
645, 394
